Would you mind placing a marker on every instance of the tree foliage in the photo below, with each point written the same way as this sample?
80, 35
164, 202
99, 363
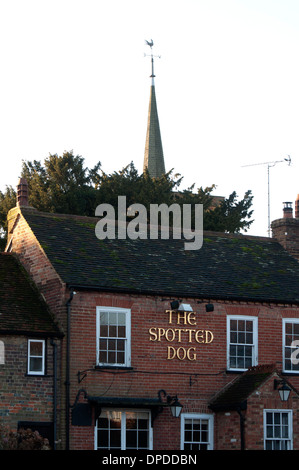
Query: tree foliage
62, 184
22, 439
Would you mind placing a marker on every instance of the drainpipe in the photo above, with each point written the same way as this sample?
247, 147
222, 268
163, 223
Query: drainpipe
242, 428
54, 391
67, 372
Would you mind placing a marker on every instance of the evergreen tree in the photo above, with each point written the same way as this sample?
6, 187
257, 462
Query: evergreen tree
64, 185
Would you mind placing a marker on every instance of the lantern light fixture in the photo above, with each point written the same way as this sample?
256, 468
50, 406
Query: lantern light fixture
284, 390
172, 402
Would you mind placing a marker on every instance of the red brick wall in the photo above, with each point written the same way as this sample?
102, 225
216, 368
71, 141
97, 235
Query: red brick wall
195, 382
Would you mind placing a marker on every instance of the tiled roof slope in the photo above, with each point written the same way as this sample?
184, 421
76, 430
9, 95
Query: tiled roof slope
22, 310
226, 267
234, 395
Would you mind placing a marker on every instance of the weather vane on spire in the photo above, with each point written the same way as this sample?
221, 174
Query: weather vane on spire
150, 44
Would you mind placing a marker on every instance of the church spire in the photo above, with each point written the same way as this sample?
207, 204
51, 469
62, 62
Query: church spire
153, 154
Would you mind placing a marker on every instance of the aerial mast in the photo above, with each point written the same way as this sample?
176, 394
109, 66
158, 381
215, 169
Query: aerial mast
270, 165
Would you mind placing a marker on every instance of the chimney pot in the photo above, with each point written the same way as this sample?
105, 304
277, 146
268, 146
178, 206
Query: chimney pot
22, 193
287, 210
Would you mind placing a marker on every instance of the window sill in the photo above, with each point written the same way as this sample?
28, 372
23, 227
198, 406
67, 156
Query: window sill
113, 367
36, 375
290, 373
237, 371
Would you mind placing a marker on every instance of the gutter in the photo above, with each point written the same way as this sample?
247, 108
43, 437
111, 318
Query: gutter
54, 391
136, 291
242, 428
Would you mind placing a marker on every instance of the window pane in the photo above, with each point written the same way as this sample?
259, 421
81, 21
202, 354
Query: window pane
36, 348
36, 364
104, 318
115, 439
111, 357
143, 440
104, 330
120, 358
241, 338
121, 331
112, 331
233, 337
131, 439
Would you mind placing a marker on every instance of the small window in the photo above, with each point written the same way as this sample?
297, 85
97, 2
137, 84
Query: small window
196, 431
290, 345
241, 342
278, 430
36, 357
113, 336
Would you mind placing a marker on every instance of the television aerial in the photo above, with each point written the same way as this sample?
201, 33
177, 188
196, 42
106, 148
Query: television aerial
270, 165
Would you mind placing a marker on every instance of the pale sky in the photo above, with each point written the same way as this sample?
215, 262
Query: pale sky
74, 77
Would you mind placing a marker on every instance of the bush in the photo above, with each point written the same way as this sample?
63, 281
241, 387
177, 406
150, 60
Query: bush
23, 439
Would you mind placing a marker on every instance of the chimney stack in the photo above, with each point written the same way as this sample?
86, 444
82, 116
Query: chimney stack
286, 229
287, 210
22, 193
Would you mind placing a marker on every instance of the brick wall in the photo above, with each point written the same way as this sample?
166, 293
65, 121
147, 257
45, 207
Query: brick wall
24, 397
195, 382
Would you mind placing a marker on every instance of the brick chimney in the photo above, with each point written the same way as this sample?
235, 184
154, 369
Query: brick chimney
16, 212
286, 229
22, 193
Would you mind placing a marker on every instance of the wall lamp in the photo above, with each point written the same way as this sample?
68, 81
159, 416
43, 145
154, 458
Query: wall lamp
177, 305
209, 307
284, 390
173, 403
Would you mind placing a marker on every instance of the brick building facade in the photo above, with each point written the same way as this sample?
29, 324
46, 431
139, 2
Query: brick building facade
29, 354
147, 325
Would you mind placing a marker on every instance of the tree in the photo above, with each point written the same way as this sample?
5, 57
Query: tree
63, 184
231, 215
7, 202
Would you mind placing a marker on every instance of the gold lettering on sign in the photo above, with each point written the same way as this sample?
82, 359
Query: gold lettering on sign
178, 335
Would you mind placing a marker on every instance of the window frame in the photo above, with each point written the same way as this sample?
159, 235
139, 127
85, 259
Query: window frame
123, 428
43, 357
254, 320
127, 312
290, 426
284, 322
201, 416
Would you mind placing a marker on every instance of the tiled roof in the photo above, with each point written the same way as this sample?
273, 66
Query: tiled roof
234, 395
226, 267
22, 310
